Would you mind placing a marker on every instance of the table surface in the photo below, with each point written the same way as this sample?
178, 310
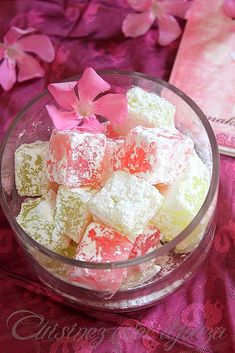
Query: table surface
197, 318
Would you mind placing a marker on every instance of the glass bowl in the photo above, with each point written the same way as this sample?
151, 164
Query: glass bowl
179, 259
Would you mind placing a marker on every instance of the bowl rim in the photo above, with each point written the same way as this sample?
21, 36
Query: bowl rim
211, 194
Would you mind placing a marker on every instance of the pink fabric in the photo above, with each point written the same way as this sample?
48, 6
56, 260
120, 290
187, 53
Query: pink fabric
197, 318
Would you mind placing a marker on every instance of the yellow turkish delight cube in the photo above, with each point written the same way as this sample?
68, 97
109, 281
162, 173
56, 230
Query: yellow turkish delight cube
183, 200
36, 217
30, 169
72, 215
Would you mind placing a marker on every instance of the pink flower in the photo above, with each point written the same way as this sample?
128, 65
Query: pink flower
229, 8
163, 11
82, 109
13, 51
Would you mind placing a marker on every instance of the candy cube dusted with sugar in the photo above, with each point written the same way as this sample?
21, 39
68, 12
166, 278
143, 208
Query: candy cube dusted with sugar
156, 155
101, 244
148, 110
37, 219
111, 153
146, 242
72, 215
110, 131
183, 200
126, 203
76, 158
30, 169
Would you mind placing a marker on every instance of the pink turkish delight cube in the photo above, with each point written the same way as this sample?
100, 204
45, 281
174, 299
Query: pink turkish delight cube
111, 152
146, 242
110, 131
75, 158
154, 154
101, 244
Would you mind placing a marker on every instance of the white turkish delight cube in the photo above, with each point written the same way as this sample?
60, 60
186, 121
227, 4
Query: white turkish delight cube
126, 203
146, 109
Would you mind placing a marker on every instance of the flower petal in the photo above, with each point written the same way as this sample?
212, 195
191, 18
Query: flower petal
229, 8
91, 125
28, 67
15, 33
39, 45
177, 8
169, 29
62, 120
112, 106
137, 24
7, 74
90, 85
64, 94
140, 5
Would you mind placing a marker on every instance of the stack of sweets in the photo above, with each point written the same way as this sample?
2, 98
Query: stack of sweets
119, 193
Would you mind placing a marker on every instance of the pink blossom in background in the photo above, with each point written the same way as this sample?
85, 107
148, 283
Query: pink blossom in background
16, 64
162, 11
82, 109
229, 8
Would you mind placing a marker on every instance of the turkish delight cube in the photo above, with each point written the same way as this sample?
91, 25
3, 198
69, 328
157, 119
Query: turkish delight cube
156, 155
147, 241
72, 214
30, 169
101, 244
110, 132
111, 152
126, 203
146, 109
36, 217
76, 158
183, 200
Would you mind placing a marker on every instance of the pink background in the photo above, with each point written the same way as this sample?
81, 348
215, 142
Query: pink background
197, 318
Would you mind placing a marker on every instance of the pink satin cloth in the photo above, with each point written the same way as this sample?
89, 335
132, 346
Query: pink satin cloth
200, 317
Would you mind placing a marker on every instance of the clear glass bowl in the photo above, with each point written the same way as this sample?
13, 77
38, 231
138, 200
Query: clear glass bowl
150, 285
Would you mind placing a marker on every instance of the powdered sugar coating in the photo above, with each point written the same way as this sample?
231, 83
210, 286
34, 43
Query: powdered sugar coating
156, 155
147, 241
148, 110
37, 219
101, 244
111, 152
75, 158
30, 169
183, 200
126, 203
72, 215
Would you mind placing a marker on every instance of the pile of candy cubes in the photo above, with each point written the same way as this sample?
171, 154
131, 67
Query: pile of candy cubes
112, 195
